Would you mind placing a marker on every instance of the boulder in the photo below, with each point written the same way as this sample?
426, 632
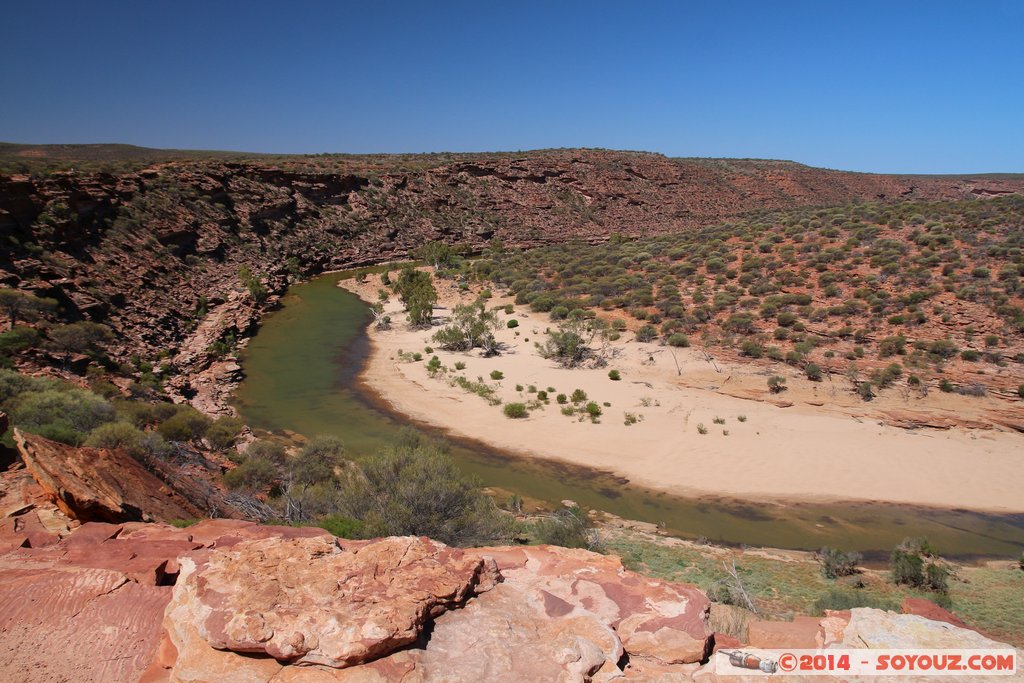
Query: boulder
656, 620
877, 629
27, 518
99, 484
508, 635
348, 611
310, 601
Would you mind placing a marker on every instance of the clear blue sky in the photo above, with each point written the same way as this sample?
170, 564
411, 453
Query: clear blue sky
894, 86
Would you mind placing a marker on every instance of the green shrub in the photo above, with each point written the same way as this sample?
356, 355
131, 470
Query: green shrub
835, 563
593, 410
13, 384
813, 372
271, 451
65, 416
907, 568
568, 528
945, 386
865, 390
891, 346
742, 323
318, 460
183, 523
512, 324
497, 374
107, 390
678, 339
751, 348
884, 377
415, 489
837, 599
254, 474
515, 410
646, 333
115, 435
562, 399
943, 348
936, 578
185, 425
578, 395
569, 344
776, 384
416, 291
152, 444
223, 432
786, 319
18, 339
614, 375
459, 365
84, 337
342, 527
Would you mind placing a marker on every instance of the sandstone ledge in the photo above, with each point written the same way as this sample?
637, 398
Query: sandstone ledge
227, 600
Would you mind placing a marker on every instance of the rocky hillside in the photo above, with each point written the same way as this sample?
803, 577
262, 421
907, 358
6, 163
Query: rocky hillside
151, 251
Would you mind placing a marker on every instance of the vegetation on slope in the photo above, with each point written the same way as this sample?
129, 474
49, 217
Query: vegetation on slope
782, 585
875, 292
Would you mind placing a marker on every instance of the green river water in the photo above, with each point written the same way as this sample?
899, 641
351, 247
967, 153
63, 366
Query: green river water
302, 375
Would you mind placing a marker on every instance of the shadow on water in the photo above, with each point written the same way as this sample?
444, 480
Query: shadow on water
302, 374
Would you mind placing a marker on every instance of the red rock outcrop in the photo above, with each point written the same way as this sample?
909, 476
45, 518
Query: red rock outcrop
91, 606
929, 610
252, 603
557, 614
99, 484
60, 623
327, 610
654, 619
310, 601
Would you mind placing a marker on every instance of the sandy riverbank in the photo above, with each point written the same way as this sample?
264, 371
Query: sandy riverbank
826, 445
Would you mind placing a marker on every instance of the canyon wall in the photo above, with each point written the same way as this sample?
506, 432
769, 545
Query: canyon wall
152, 252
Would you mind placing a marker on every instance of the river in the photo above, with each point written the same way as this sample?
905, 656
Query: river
302, 375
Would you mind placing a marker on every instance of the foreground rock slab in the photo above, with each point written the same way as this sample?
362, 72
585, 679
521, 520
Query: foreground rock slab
309, 601
228, 601
666, 622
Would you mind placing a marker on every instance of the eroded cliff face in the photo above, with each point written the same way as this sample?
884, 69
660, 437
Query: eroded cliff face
152, 252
